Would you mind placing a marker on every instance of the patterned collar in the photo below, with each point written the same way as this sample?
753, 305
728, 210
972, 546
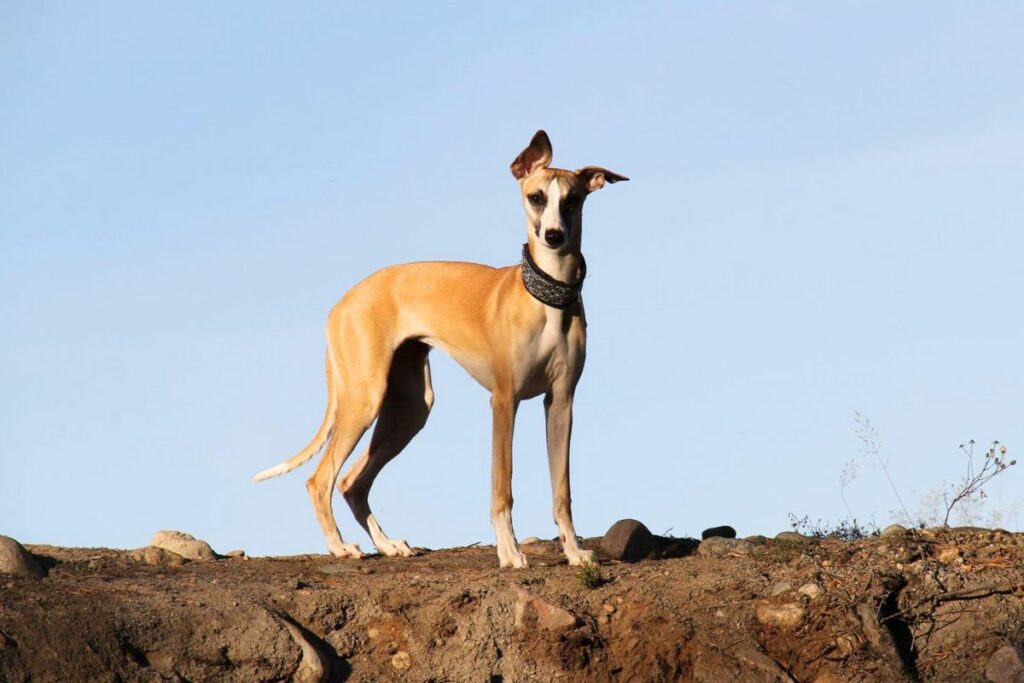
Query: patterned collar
546, 289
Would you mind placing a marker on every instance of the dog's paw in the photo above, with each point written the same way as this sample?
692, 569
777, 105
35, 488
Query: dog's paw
513, 559
395, 548
339, 549
581, 557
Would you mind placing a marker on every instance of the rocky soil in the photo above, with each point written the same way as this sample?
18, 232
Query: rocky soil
938, 605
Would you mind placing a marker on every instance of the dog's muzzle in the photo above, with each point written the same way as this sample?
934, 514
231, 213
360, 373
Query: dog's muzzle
554, 238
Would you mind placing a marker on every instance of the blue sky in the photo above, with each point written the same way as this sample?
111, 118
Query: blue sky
824, 216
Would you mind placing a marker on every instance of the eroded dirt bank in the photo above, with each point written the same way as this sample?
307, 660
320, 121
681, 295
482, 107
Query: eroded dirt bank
931, 607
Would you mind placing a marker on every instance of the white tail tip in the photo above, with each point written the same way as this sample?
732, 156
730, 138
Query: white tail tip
272, 472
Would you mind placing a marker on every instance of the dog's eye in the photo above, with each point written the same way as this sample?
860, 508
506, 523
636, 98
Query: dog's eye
536, 198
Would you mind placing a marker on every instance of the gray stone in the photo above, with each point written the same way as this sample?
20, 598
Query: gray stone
1006, 665
790, 536
628, 540
718, 532
723, 547
183, 544
893, 530
781, 587
14, 559
756, 539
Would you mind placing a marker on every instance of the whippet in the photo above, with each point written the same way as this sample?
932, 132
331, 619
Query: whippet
519, 331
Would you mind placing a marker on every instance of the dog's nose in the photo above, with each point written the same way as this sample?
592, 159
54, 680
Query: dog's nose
554, 237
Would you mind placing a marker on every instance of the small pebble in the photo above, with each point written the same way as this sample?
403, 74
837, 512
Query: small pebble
812, 590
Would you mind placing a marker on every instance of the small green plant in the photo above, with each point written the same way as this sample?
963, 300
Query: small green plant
590, 576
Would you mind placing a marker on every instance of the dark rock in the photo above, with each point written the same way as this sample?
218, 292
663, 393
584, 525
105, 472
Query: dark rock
718, 532
14, 559
668, 547
1006, 665
629, 540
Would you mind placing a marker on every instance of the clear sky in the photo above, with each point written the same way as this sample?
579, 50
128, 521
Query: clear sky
824, 215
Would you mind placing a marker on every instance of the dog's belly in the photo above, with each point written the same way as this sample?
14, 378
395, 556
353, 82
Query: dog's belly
478, 367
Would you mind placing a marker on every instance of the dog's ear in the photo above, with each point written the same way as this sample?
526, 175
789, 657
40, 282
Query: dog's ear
536, 155
594, 177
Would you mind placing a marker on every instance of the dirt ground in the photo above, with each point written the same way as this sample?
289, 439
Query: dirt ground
929, 606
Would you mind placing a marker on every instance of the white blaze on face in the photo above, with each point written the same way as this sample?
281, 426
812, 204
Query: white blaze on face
552, 217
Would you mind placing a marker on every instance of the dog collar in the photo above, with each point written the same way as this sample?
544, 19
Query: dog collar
546, 289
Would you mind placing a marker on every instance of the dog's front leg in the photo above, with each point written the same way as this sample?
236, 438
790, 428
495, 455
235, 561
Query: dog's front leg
558, 412
504, 407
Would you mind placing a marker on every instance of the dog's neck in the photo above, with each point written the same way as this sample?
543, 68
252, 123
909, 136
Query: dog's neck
564, 266
547, 289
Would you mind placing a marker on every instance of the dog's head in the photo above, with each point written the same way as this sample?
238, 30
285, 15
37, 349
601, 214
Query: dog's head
553, 197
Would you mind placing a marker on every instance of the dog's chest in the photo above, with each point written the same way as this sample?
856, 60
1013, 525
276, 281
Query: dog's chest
551, 354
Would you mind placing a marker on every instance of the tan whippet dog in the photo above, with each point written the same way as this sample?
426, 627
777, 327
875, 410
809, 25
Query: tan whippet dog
519, 331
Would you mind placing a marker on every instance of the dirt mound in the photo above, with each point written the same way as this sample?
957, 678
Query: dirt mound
923, 606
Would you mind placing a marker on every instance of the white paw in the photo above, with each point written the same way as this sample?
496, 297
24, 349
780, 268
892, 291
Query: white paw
513, 559
339, 549
395, 548
580, 557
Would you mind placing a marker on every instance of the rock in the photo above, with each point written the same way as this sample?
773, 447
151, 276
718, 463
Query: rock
528, 540
1006, 665
312, 667
235, 553
812, 590
14, 559
756, 539
718, 532
870, 624
785, 616
828, 677
628, 540
948, 555
845, 645
717, 546
761, 664
533, 611
183, 544
162, 662
781, 587
401, 660
790, 536
893, 530
158, 557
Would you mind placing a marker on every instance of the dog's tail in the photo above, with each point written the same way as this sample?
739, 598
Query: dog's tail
317, 444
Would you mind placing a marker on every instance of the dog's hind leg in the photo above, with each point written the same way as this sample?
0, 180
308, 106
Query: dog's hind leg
403, 413
361, 382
